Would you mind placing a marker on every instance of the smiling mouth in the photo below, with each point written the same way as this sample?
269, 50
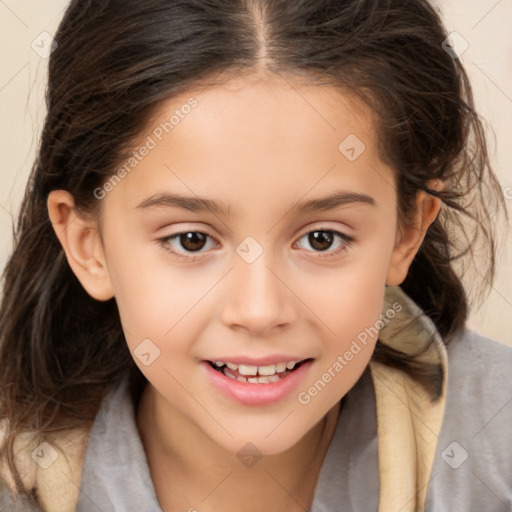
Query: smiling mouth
256, 374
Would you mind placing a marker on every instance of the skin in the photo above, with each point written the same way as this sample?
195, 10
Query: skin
260, 146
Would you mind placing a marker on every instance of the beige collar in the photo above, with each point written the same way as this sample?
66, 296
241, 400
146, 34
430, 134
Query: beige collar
408, 422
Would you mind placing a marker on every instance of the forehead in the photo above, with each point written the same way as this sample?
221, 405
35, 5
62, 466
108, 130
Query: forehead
260, 136
270, 108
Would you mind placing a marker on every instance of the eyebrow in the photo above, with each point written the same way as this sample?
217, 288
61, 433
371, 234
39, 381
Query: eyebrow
340, 198
195, 204
200, 204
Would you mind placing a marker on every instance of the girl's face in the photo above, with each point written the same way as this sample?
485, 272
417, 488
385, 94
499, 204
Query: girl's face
258, 227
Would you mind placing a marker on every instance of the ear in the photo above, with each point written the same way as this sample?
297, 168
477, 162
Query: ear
410, 236
80, 239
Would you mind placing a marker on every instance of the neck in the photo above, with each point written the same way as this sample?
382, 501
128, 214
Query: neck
190, 470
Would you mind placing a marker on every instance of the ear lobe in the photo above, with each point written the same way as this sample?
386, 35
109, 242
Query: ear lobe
82, 244
410, 238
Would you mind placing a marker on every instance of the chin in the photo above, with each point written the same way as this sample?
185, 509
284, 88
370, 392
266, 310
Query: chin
262, 440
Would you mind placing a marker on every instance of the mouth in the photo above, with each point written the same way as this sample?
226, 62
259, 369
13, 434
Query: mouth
250, 384
252, 374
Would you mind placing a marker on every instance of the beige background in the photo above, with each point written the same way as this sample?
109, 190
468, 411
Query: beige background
484, 24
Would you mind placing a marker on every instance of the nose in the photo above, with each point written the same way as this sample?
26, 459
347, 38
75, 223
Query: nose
258, 299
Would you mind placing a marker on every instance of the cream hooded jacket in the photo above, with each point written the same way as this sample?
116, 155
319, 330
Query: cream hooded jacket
408, 424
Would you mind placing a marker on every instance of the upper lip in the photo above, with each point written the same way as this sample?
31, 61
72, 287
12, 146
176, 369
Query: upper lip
262, 361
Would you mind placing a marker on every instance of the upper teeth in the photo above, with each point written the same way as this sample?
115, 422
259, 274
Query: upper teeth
270, 369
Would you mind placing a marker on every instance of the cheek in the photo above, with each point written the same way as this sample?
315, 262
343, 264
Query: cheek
346, 299
348, 303
137, 270
153, 297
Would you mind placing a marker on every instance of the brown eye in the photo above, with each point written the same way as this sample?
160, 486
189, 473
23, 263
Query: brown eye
193, 240
188, 243
320, 240
329, 241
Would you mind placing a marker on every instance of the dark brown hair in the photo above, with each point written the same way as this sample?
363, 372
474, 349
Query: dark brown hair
117, 60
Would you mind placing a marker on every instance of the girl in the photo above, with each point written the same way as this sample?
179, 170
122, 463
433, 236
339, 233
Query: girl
234, 280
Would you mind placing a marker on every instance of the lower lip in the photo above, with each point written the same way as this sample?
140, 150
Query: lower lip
257, 394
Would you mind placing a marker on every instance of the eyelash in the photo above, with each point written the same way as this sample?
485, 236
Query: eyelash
347, 241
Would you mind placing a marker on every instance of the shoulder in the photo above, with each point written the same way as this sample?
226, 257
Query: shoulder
474, 452
41, 465
479, 382
51, 468
22, 448
476, 361
479, 400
